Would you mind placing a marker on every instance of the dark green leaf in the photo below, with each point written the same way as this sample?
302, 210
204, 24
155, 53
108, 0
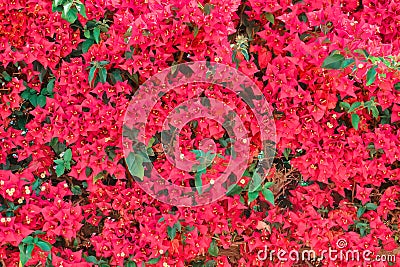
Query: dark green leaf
171, 231
41, 100
371, 206
362, 52
210, 263
397, 86
91, 259
360, 211
286, 153
154, 260
50, 86
76, 190
334, 61
207, 9
91, 74
33, 99
355, 120
6, 76
213, 250
86, 45
130, 264
103, 75
195, 31
371, 75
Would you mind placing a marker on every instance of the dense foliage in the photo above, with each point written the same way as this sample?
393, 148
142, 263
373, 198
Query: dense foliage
68, 70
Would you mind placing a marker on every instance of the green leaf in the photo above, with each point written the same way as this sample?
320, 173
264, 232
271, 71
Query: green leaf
43, 245
67, 155
245, 54
28, 240
334, 61
76, 190
397, 86
286, 153
41, 100
86, 33
362, 52
195, 31
86, 45
197, 180
58, 161
371, 75
268, 184
371, 206
91, 74
344, 105
154, 260
255, 183
360, 211
234, 190
25, 253
213, 250
99, 176
26, 94
71, 16
347, 62
60, 169
96, 34
207, 9
135, 165
252, 196
58, 2
33, 99
354, 106
67, 7
50, 86
82, 10
6, 76
268, 195
130, 264
375, 112
103, 75
91, 259
270, 17
355, 120
171, 231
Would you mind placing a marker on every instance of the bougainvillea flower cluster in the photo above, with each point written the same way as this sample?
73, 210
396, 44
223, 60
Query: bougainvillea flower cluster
69, 70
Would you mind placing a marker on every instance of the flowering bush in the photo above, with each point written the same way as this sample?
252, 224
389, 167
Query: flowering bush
69, 69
